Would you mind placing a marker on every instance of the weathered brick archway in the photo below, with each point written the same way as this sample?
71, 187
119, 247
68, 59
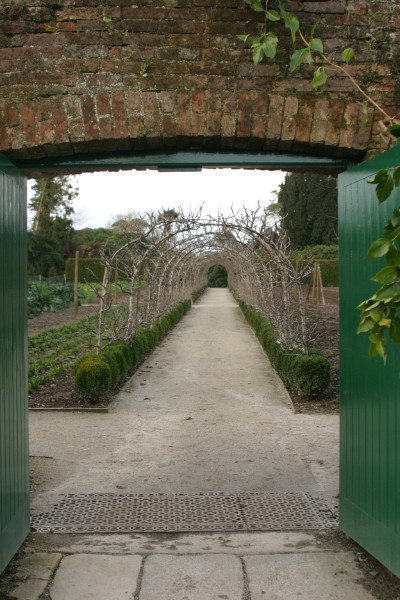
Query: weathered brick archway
85, 76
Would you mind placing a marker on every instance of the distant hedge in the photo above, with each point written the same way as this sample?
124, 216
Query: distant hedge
90, 270
309, 375
329, 273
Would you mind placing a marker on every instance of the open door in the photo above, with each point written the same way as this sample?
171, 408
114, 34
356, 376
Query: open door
369, 391
14, 453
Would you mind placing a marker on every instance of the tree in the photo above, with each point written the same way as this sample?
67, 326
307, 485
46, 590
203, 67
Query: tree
217, 277
308, 207
50, 237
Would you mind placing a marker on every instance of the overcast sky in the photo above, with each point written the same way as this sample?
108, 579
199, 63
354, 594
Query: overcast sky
103, 196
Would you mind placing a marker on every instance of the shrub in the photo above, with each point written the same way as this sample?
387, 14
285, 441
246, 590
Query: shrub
309, 375
92, 378
117, 362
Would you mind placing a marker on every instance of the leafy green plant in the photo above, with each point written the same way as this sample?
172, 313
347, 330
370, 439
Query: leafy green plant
92, 378
379, 314
48, 297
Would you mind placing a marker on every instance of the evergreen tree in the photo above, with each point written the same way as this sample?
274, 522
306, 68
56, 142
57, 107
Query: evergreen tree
50, 237
308, 207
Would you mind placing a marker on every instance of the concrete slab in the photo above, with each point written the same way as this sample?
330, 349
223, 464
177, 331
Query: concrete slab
269, 542
96, 577
192, 577
319, 576
34, 572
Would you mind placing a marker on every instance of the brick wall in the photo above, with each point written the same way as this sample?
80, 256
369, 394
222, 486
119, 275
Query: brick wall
96, 75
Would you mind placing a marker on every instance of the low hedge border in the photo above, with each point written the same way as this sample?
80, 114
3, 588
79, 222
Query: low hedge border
97, 375
196, 295
308, 375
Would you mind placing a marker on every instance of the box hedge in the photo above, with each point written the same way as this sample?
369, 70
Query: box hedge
97, 375
309, 375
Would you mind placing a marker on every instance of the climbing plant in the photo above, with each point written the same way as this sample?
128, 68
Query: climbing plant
379, 314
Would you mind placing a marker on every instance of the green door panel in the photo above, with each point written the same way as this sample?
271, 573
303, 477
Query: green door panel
14, 476
369, 391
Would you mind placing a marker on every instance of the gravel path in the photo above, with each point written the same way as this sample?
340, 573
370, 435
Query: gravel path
205, 412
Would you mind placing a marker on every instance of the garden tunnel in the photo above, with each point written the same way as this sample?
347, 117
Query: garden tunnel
248, 273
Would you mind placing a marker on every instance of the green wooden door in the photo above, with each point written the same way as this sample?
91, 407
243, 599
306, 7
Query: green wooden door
14, 477
369, 391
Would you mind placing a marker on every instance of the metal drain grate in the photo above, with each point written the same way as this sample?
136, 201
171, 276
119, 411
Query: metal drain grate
112, 513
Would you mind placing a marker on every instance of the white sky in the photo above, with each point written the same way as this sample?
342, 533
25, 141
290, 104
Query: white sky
103, 196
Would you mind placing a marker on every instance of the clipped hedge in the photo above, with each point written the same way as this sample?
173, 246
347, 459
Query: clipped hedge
90, 270
309, 375
97, 375
92, 378
196, 295
329, 272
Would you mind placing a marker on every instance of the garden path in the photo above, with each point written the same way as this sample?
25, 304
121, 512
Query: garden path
204, 413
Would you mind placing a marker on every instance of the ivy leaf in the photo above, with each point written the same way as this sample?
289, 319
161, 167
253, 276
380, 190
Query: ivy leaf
255, 5
378, 248
384, 184
292, 23
317, 45
386, 275
297, 58
347, 55
258, 54
366, 325
394, 127
272, 15
377, 345
106, 18
319, 78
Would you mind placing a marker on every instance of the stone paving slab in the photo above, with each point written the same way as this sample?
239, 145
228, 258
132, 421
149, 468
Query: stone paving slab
34, 571
96, 577
321, 576
271, 542
192, 578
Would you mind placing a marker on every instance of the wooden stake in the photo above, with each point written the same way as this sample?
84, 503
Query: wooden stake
76, 280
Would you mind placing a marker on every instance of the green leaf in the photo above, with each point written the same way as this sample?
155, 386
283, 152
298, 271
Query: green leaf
244, 38
297, 58
386, 275
292, 23
394, 127
384, 184
255, 5
270, 44
388, 292
377, 345
378, 248
347, 55
319, 78
258, 54
106, 18
366, 326
272, 15
317, 45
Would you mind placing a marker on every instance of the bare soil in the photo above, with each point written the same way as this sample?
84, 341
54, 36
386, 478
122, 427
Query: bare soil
324, 319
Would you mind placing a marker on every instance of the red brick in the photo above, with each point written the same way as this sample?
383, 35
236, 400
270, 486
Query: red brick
119, 115
89, 118
28, 124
